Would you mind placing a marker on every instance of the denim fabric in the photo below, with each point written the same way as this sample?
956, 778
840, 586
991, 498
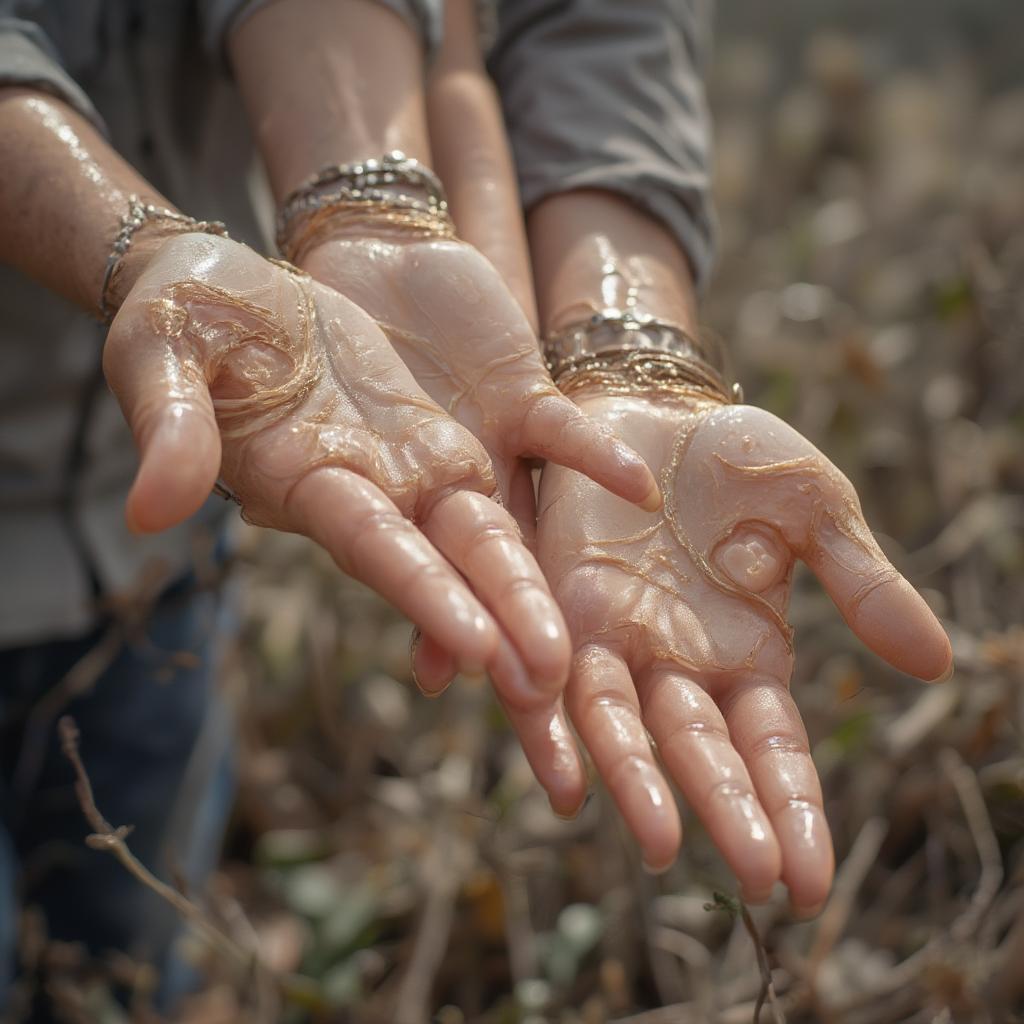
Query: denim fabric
157, 743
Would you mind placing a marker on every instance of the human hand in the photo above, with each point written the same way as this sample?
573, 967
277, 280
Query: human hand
679, 630
228, 365
457, 327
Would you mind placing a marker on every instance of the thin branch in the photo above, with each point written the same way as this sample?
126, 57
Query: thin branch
107, 838
973, 802
849, 879
413, 1003
695, 955
767, 985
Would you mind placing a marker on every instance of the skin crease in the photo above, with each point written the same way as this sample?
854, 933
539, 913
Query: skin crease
225, 363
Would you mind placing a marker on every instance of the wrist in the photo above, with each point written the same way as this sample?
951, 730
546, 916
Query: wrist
143, 231
391, 195
593, 250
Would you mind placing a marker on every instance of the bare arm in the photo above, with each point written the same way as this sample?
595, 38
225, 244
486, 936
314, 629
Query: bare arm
329, 83
63, 192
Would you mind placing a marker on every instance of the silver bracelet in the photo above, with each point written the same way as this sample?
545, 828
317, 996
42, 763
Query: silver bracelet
365, 181
644, 349
138, 214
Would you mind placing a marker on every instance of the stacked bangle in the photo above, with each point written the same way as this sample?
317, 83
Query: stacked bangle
394, 187
629, 353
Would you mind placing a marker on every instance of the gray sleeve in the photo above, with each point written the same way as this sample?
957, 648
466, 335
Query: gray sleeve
29, 58
221, 16
608, 94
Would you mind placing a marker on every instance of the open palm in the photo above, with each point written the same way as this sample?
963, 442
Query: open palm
679, 629
228, 365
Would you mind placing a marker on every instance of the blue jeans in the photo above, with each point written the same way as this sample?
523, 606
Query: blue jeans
157, 743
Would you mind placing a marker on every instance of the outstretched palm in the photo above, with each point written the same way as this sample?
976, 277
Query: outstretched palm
678, 624
226, 364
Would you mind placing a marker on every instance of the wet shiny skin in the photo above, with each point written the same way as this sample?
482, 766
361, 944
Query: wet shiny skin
470, 347
228, 365
678, 619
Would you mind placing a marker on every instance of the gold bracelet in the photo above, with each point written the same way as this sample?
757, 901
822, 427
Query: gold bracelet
626, 353
342, 216
383, 183
139, 214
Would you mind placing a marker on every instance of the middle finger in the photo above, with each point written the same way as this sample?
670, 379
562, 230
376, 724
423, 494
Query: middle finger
694, 743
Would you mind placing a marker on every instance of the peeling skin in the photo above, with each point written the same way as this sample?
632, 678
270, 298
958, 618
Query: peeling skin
749, 561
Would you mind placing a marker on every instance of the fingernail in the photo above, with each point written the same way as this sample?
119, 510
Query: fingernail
419, 686
568, 816
756, 896
653, 501
574, 814
945, 677
430, 694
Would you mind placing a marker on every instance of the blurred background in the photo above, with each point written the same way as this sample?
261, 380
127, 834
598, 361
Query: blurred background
391, 856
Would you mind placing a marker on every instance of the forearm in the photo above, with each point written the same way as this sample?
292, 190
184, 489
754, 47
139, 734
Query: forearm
472, 154
593, 250
329, 83
63, 193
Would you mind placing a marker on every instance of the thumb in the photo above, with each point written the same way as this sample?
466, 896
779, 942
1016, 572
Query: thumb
164, 396
878, 604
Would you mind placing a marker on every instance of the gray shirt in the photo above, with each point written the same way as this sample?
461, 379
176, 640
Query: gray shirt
597, 93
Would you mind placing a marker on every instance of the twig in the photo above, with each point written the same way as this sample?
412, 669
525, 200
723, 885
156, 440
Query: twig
449, 860
79, 679
767, 985
973, 802
849, 879
445, 875
112, 840
698, 962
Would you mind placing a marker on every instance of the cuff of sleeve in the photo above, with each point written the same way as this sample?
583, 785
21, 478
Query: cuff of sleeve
27, 58
684, 207
222, 16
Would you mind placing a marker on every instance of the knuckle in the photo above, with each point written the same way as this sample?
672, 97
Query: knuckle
603, 700
695, 730
802, 803
729, 790
777, 743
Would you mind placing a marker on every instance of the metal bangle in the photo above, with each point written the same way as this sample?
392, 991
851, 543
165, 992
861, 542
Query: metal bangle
634, 351
366, 181
137, 215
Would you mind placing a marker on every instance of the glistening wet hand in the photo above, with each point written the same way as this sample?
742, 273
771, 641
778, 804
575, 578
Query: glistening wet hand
679, 629
470, 347
226, 364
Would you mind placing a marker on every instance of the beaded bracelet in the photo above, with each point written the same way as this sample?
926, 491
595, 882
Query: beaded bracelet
139, 214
